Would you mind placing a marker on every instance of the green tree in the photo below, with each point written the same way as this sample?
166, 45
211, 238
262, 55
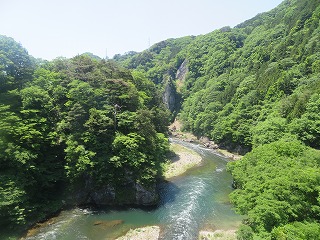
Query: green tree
308, 126
277, 184
15, 65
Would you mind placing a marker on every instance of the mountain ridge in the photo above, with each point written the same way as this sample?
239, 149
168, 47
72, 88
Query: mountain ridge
252, 48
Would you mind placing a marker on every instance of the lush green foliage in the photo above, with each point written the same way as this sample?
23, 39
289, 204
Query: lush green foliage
238, 78
278, 187
160, 60
160, 64
15, 65
69, 120
254, 72
257, 86
253, 87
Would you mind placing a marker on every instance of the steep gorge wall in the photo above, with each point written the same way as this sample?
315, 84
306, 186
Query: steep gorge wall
172, 87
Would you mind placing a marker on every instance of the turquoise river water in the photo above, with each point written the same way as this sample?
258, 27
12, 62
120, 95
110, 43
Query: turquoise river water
197, 200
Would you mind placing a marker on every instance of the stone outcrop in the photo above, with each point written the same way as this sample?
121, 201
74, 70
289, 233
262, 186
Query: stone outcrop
211, 145
169, 94
146, 197
206, 142
182, 71
128, 193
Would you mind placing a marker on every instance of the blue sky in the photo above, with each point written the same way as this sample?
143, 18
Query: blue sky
52, 28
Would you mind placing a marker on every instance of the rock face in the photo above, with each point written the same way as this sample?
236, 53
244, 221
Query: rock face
169, 94
128, 193
182, 71
146, 197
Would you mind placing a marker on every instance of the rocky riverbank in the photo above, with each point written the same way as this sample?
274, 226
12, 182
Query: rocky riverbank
146, 233
175, 130
153, 233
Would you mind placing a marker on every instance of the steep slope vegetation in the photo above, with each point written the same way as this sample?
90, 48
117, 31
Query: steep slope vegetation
263, 71
160, 63
256, 88
238, 77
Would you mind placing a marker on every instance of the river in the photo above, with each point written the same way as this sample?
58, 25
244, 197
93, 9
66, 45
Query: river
197, 200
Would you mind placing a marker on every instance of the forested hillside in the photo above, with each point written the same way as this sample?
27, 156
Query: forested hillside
256, 88
75, 131
262, 71
91, 131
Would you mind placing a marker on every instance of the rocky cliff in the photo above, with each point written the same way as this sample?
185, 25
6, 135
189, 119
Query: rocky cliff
128, 193
170, 94
182, 71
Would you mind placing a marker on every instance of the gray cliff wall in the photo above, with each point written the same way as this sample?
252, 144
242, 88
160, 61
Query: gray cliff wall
128, 193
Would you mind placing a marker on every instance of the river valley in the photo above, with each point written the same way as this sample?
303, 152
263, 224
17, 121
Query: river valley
189, 203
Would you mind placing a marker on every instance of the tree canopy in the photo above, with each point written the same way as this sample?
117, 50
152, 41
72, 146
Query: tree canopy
69, 121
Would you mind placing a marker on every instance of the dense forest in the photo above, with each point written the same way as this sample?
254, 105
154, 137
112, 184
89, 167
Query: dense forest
75, 131
254, 89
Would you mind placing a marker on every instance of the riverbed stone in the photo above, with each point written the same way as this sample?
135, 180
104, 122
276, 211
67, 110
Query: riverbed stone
108, 224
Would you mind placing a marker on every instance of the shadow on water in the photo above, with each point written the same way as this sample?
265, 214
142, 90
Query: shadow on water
168, 192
